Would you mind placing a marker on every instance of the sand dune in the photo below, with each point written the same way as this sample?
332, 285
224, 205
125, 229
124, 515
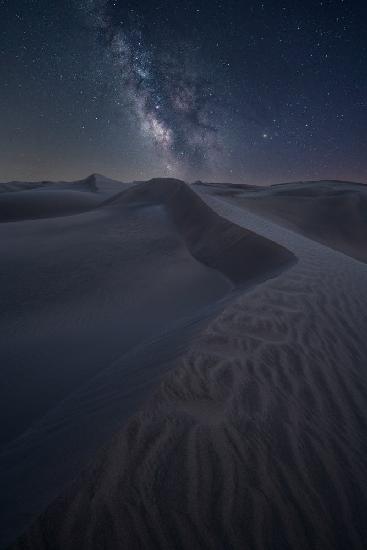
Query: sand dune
256, 439
28, 201
92, 183
333, 213
225, 189
26, 205
239, 254
96, 307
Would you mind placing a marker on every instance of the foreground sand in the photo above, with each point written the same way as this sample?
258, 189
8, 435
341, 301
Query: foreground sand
257, 439
96, 307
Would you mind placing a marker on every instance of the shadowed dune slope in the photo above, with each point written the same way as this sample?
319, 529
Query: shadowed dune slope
226, 189
92, 183
34, 200
333, 213
239, 254
44, 203
96, 307
256, 440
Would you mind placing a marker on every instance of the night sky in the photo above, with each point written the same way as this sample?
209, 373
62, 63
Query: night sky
252, 92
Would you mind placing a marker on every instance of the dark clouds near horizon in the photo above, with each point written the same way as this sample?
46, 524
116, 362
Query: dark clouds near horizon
243, 91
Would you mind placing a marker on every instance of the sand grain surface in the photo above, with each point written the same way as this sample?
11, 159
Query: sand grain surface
257, 439
96, 307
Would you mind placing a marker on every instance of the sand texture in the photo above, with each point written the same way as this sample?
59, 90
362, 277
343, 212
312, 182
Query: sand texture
96, 307
256, 438
331, 212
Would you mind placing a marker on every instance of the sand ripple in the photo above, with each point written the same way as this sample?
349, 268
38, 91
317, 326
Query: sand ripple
258, 438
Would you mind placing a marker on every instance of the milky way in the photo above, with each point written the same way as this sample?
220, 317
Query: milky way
248, 92
172, 101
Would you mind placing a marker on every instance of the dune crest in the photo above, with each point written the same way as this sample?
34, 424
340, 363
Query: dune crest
330, 212
256, 440
112, 297
241, 255
21, 201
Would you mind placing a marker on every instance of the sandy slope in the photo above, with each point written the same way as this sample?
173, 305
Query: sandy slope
331, 212
28, 201
95, 307
257, 439
92, 183
239, 254
26, 205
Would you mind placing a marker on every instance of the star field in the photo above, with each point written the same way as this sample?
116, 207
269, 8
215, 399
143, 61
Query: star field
253, 92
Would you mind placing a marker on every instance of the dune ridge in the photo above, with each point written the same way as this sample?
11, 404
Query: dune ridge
256, 439
111, 298
331, 212
21, 201
240, 254
92, 183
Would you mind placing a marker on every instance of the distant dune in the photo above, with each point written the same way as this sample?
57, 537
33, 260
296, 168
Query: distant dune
93, 183
28, 205
29, 201
96, 307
